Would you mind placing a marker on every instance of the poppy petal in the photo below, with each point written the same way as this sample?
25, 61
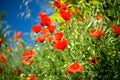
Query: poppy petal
58, 36
36, 28
116, 30
75, 67
3, 58
97, 33
66, 15
27, 60
40, 39
51, 28
61, 45
45, 19
45, 32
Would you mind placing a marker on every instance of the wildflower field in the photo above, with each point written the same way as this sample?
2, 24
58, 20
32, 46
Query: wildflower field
79, 41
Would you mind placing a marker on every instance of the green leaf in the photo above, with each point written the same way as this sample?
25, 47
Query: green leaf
95, 2
56, 17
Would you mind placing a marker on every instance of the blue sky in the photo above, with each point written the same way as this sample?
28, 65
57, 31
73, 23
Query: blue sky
21, 15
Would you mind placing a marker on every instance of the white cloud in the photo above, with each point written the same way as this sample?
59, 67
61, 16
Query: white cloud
45, 6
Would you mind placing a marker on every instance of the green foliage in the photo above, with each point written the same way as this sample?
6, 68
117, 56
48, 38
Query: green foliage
51, 64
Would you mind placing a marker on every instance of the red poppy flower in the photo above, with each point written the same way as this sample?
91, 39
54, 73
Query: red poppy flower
3, 58
28, 60
18, 35
97, 33
29, 53
57, 4
80, 19
116, 30
36, 28
9, 49
94, 60
28, 57
98, 17
61, 45
40, 39
32, 77
77, 11
58, 36
18, 72
86, 17
45, 32
65, 15
64, 7
51, 28
50, 39
1, 70
0, 41
45, 19
76, 67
